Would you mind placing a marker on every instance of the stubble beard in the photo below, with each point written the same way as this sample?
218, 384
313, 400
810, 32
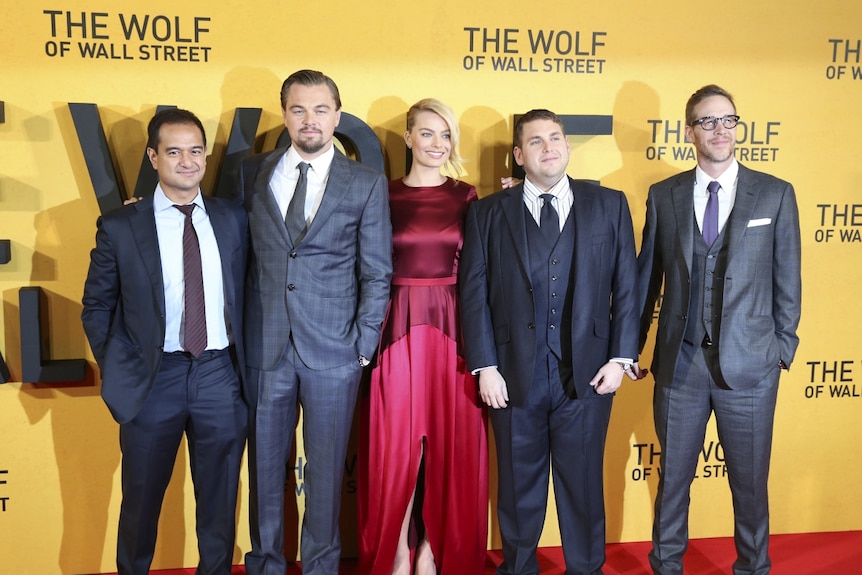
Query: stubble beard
310, 146
710, 156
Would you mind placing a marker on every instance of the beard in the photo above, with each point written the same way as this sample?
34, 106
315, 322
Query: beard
311, 146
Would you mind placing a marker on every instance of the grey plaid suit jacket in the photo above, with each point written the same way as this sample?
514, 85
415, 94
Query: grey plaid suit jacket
331, 290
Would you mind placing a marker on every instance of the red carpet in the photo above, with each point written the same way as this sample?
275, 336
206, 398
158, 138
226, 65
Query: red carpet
799, 554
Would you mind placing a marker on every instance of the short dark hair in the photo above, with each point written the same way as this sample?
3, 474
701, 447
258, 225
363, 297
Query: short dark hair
701, 95
171, 116
310, 78
532, 116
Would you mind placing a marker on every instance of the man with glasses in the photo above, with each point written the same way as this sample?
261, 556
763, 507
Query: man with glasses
725, 242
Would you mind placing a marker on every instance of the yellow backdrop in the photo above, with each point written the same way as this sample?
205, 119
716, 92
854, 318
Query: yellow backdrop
793, 66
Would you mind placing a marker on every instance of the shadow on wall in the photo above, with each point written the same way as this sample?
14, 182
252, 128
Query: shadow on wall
631, 418
486, 164
84, 436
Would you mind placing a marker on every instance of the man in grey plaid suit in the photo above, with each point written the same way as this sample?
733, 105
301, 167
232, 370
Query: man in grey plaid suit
316, 296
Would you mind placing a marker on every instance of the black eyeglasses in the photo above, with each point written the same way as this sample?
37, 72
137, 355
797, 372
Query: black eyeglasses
710, 122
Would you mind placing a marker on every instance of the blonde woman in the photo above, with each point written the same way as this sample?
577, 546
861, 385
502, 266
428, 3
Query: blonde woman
424, 498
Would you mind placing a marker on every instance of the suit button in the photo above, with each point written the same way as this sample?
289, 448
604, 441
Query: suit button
555, 261
683, 317
291, 287
531, 326
292, 255
553, 278
552, 327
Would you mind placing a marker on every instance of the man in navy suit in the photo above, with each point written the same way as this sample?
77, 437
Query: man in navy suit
549, 308
317, 292
724, 241
167, 367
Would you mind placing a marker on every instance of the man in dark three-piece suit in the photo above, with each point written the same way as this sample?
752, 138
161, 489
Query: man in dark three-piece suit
163, 314
725, 241
549, 310
316, 295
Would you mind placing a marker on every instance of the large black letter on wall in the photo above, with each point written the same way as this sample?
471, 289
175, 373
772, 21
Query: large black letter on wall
5, 258
34, 344
239, 146
4, 370
94, 145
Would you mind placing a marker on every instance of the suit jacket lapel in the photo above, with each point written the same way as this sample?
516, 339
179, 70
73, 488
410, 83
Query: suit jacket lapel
515, 214
583, 208
143, 225
262, 185
682, 196
743, 207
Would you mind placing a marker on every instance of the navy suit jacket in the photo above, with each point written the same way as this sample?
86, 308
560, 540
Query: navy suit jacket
124, 297
497, 295
332, 290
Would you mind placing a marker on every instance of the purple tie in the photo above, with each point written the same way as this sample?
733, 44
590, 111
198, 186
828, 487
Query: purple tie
710, 215
194, 335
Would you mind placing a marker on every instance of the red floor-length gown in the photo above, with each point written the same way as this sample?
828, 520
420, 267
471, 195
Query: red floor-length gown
423, 402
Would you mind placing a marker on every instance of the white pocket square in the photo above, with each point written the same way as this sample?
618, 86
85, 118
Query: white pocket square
759, 222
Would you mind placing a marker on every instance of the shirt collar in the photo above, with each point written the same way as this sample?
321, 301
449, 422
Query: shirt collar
320, 164
727, 179
162, 202
560, 190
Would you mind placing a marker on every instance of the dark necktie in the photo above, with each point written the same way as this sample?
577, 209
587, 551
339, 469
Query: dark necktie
549, 220
710, 215
194, 313
295, 218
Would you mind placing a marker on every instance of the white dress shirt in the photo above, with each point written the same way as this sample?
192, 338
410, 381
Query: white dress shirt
286, 174
170, 223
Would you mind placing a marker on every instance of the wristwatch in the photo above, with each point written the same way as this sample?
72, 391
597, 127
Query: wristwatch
624, 365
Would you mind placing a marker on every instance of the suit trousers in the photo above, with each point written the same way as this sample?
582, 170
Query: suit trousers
550, 428
201, 398
328, 400
744, 420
